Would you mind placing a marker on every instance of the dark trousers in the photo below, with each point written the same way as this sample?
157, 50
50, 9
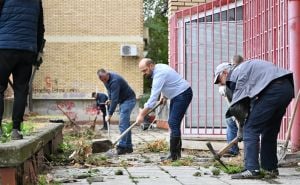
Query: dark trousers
19, 64
264, 120
178, 107
103, 110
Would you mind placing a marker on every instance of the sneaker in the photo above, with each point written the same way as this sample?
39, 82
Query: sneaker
247, 174
103, 128
123, 150
271, 174
16, 134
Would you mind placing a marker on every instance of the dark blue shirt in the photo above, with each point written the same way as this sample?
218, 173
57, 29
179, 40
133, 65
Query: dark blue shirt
22, 25
101, 99
118, 91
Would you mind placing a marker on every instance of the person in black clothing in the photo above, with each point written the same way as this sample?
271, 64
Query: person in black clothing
100, 103
21, 37
119, 92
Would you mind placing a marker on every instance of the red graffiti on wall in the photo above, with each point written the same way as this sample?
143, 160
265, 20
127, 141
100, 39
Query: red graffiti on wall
48, 83
68, 105
72, 115
91, 109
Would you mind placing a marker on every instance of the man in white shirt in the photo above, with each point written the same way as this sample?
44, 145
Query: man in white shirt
170, 84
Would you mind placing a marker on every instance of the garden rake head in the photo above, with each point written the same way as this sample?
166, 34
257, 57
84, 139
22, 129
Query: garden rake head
216, 156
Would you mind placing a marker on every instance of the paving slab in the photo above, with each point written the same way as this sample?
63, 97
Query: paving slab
156, 173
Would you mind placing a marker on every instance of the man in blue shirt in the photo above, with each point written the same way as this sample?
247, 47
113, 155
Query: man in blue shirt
119, 92
101, 98
170, 84
21, 37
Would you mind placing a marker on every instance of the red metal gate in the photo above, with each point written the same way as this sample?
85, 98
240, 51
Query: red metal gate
203, 36
266, 35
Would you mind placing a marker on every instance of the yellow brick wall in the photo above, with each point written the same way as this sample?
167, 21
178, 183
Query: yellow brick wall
84, 36
175, 5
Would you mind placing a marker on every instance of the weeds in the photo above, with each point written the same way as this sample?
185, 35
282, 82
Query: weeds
231, 168
124, 164
98, 160
186, 161
215, 171
157, 146
26, 128
197, 174
119, 172
44, 180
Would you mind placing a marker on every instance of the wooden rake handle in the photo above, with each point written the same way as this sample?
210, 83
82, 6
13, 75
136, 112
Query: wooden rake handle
131, 126
288, 135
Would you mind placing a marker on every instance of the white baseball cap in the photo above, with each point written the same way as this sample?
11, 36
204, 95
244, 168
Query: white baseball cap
219, 69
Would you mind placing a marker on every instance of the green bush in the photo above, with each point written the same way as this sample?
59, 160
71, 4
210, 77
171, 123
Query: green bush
143, 99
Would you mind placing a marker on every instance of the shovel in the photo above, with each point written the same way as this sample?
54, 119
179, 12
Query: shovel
94, 123
282, 152
107, 145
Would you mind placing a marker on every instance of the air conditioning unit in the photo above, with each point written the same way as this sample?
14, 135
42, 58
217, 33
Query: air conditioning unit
128, 50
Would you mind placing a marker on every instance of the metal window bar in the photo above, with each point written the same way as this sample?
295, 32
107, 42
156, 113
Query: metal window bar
266, 33
195, 57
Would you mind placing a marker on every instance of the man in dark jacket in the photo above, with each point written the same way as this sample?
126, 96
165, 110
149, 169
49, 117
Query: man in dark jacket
269, 90
119, 92
21, 36
101, 98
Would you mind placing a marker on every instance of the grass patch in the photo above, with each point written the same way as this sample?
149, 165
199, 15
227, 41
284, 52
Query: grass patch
186, 161
27, 128
232, 169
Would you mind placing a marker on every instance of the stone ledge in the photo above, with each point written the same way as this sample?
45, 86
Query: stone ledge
16, 152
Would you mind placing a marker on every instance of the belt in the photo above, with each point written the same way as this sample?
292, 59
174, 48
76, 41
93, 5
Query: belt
279, 80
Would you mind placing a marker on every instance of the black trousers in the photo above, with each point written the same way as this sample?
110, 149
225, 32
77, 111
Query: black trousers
103, 110
19, 64
263, 125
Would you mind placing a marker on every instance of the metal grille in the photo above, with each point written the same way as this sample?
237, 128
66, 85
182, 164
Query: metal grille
266, 35
202, 37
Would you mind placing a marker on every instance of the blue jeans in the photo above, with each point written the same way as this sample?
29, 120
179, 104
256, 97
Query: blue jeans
264, 120
231, 134
125, 110
178, 107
